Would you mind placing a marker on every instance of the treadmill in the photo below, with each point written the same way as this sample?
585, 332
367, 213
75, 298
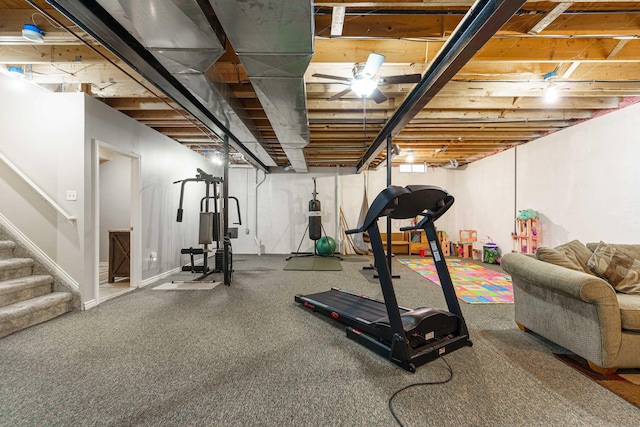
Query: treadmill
407, 337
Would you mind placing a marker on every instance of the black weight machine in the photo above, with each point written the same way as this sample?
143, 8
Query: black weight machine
407, 337
314, 226
210, 230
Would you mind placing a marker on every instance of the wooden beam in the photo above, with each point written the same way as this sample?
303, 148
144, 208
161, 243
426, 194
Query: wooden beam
44, 54
337, 20
550, 17
426, 4
141, 104
464, 88
439, 26
351, 51
602, 70
520, 49
480, 103
414, 135
12, 21
155, 114
616, 50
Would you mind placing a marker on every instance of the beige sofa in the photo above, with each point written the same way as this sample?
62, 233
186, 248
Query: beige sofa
576, 309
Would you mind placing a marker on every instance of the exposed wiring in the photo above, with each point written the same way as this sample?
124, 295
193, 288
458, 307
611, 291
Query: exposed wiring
69, 72
446, 380
51, 21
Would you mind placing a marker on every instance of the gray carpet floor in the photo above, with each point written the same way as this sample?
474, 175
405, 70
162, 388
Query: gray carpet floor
248, 355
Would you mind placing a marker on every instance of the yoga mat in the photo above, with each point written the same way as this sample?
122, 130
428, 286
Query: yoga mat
473, 284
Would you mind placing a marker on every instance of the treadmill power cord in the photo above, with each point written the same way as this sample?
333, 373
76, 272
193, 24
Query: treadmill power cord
446, 380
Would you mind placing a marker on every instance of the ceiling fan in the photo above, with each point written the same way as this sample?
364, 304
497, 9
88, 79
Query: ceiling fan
364, 82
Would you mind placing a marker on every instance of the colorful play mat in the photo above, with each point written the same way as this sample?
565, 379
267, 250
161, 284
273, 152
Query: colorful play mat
474, 284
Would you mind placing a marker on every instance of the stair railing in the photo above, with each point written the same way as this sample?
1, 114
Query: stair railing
67, 216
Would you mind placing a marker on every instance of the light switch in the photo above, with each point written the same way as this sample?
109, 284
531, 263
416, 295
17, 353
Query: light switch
72, 195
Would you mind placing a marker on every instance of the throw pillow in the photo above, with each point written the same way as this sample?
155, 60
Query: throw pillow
578, 253
616, 267
573, 255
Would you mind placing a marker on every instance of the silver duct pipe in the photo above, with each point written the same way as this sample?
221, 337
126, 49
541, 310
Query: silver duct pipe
180, 37
274, 40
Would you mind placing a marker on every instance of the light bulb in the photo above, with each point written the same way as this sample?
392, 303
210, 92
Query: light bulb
410, 156
551, 95
363, 87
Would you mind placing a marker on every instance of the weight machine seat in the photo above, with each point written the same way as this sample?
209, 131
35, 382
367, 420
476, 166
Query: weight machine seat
407, 202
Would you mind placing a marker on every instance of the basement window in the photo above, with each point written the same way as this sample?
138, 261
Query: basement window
410, 167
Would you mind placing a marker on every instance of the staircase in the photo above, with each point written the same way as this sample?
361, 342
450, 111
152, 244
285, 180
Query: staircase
26, 299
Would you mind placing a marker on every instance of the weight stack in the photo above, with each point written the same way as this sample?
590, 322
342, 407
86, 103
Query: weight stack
219, 264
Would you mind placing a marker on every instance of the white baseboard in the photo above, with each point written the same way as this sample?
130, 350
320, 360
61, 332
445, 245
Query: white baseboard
39, 254
89, 304
160, 276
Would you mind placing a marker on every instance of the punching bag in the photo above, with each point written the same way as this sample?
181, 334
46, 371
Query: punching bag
315, 220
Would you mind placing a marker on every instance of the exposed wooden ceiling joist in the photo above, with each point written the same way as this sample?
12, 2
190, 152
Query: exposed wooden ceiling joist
495, 101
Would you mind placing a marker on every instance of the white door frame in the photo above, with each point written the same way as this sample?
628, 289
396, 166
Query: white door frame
135, 216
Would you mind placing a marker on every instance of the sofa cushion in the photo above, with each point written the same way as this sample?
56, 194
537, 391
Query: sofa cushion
617, 267
573, 255
630, 249
629, 311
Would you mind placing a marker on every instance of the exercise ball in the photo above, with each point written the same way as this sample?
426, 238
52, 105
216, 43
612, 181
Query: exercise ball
325, 246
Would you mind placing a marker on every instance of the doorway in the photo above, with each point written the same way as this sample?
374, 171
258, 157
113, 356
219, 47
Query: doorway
117, 211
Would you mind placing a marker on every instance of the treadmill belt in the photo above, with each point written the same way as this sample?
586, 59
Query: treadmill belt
354, 306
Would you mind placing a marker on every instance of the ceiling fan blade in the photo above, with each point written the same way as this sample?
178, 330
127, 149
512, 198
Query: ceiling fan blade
327, 76
340, 94
406, 78
378, 96
373, 64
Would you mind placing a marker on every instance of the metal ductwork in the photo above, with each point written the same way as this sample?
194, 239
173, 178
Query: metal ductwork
181, 38
274, 40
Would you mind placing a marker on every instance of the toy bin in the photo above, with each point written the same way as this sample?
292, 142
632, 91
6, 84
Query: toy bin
490, 253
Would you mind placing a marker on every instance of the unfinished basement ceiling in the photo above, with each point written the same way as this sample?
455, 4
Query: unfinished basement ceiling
587, 52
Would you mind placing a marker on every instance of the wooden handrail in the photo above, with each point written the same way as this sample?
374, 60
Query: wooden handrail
67, 216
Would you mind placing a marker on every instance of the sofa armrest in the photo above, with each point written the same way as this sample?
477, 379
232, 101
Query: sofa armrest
571, 283
576, 310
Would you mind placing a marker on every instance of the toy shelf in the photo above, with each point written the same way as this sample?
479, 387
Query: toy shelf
527, 235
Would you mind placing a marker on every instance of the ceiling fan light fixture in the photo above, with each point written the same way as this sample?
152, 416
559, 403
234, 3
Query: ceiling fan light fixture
363, 87
374, 61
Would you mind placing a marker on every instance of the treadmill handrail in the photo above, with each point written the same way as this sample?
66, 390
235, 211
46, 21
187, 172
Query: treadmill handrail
408, 202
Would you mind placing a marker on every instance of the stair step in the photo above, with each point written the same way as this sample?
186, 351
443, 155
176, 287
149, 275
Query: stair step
24, 288
24, 314
6, 249
14, 268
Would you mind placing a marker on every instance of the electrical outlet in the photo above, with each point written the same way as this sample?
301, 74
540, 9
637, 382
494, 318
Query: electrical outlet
72, 195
